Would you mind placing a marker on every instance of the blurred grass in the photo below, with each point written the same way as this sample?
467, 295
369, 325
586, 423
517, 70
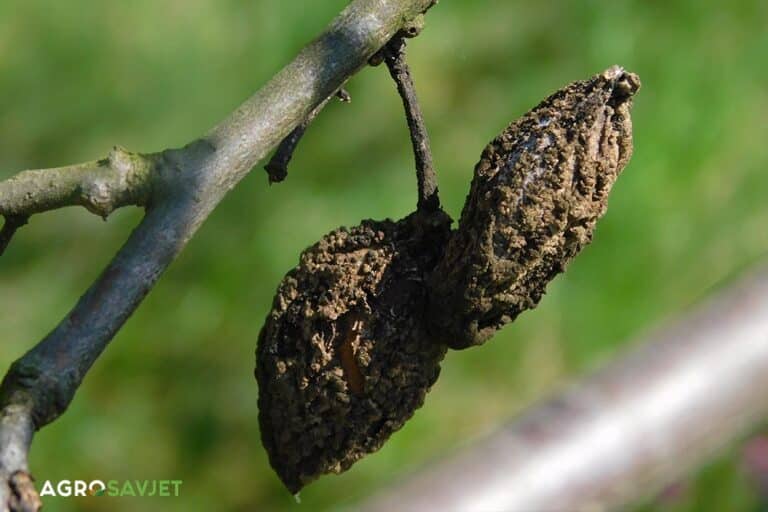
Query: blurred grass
174, 396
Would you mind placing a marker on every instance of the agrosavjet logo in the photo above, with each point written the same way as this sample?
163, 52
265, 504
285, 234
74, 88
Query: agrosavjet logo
136, 488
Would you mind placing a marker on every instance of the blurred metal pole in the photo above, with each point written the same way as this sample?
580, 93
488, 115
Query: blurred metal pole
623, 433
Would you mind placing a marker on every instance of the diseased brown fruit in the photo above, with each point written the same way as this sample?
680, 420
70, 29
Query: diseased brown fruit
358, 329
344, 358
537, 193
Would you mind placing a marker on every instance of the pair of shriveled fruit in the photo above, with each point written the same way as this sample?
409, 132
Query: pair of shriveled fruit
358, 329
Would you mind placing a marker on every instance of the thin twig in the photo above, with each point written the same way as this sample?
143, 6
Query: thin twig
101, 186
277, 167
394, 56
12, 223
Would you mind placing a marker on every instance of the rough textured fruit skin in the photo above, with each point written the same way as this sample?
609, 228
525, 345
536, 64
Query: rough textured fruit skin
344, 358
536, 195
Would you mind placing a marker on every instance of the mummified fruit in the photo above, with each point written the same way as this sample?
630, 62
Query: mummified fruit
344, 358
537, 193
358, 329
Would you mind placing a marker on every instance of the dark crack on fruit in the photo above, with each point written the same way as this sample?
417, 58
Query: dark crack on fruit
352, 326
537, 193
344, 358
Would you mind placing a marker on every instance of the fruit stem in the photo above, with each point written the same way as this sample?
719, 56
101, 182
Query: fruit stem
394, 56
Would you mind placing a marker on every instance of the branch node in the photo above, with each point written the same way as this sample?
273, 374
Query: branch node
414, 27
127, 183
121, 160
97, 198
344, 95
23, 496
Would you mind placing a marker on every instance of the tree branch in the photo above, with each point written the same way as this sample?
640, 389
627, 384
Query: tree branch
100, 186
186, 185
394, 56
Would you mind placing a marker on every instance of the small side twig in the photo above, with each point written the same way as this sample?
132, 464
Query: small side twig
11, 225
120, 179
394, 56
277, 167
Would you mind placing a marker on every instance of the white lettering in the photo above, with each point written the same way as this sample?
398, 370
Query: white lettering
80, 487
64, 488
47, 489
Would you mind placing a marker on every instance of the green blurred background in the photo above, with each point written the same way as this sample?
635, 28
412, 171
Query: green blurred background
174, 396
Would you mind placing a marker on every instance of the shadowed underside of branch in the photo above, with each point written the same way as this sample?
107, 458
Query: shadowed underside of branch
178, 188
